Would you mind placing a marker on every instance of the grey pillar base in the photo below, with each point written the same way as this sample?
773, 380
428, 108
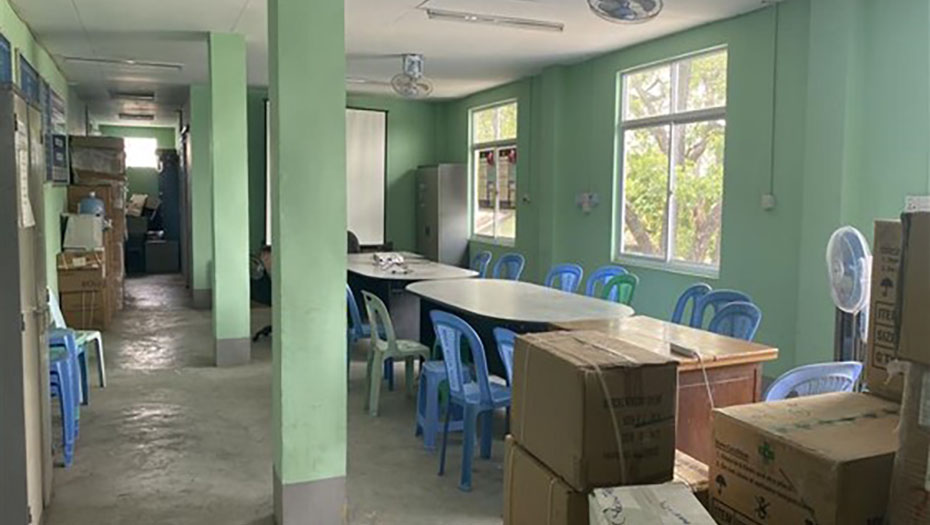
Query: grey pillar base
203, 299
321, 502
232, 352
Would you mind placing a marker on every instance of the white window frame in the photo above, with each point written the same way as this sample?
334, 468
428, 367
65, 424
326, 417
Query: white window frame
496, 145
672, 119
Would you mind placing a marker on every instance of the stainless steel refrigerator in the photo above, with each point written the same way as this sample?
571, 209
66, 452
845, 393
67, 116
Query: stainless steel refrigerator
442, 213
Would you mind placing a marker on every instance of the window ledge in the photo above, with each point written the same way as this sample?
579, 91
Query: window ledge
499, 241
706, 272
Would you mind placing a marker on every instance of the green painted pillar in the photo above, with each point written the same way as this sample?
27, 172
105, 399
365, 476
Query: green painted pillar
229, 153
201, 197
307, 59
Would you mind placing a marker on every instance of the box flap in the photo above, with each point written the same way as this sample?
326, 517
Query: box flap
666, 504
589, 350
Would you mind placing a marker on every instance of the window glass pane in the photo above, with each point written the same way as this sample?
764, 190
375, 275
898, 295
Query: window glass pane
483, 125
485, 192
648, 93
645, 190
702, 82
140, 152
508, 122
698, 192
507, 185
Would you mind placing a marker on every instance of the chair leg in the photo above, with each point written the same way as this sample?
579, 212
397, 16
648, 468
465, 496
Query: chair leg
368, 368
468, 450
389, 373
487, 433
85, 385
431, 416
445, 439
374, 395
101, 364
409, 369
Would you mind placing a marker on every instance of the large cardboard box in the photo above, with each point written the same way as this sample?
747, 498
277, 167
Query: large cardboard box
910, 482
534, 494
692, 473
886, 260
88, 310
665, 504
914, 291
100, 155
81, 259
823, 460
598, 411
82, 280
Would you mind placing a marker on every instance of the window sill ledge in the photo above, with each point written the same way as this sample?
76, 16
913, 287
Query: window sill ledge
504, 243
676, 268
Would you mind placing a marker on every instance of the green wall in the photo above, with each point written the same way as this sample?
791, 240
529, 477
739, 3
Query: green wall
143, 180
411, 142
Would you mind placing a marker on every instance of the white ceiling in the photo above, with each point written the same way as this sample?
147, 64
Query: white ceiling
461, 58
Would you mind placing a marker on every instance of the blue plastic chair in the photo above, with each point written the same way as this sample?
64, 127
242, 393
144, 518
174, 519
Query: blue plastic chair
480, 263
620, 289
600, 278
506, 339
821, 378
568, 275
509, 266
358, 330
689, 296
715, 300
740, 320
475, 393
65, 384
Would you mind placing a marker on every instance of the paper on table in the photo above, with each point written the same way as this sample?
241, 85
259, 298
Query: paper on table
27, 219
666, 504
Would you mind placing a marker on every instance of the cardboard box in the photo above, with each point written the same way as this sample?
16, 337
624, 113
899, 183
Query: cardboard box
88, 279
81, 259
886, 260
914, 291
80, 301
534, 494
95, 177
824, 460
116, 265
668, 503
90, 319
97, 142
87, 310
692, 473
101, 155
910, 484
564, 417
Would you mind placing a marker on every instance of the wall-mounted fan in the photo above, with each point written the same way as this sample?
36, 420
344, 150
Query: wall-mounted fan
626, 11
849, 265
411, 83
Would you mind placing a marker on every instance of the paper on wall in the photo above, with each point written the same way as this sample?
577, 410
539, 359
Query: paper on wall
26, 217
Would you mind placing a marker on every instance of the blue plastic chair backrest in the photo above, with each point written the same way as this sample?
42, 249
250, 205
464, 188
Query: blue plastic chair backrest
600, 278
480, 263
715, 300
568, 275
689, 296
740, 320
509, 266
354, 314
506, 339
380, 320
821, 378
450, 331
621, 288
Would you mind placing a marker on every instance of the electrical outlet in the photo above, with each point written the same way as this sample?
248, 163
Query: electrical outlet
768, 201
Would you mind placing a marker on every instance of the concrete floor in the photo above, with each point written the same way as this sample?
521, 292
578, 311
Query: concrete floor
173, 440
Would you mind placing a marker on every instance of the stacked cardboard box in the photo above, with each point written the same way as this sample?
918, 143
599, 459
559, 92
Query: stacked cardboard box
85, 298
823, 460
588, 411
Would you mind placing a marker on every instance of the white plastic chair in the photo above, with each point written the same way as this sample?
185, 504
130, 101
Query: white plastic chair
82, 337
821, 378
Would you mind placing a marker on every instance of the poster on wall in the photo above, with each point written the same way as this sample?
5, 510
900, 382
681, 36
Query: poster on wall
6, 61
56, 135
29, 80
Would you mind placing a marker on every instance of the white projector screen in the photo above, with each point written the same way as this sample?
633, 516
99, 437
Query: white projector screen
366, 143
365, 154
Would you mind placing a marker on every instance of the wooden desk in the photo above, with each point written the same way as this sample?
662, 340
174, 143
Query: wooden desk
388, 284
522, 307
733, 366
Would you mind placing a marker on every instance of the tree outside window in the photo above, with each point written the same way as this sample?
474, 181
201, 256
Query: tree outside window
672, 139
494, 171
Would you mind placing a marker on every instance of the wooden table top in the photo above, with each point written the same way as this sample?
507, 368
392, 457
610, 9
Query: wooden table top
516, 301
657, 335
419, 268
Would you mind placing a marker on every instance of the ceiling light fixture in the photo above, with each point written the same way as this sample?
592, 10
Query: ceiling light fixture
494, 20
138, 96
356, 80
126, 62
137, 116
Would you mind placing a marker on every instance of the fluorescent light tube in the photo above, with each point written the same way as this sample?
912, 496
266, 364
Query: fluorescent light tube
503, 21
125, 62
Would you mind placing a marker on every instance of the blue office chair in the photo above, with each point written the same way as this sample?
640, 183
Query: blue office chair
509, 266
568, 275
808, 380
480, 263
715, 300
472, 391
740, 320
506, 339
600, 278
691, 295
